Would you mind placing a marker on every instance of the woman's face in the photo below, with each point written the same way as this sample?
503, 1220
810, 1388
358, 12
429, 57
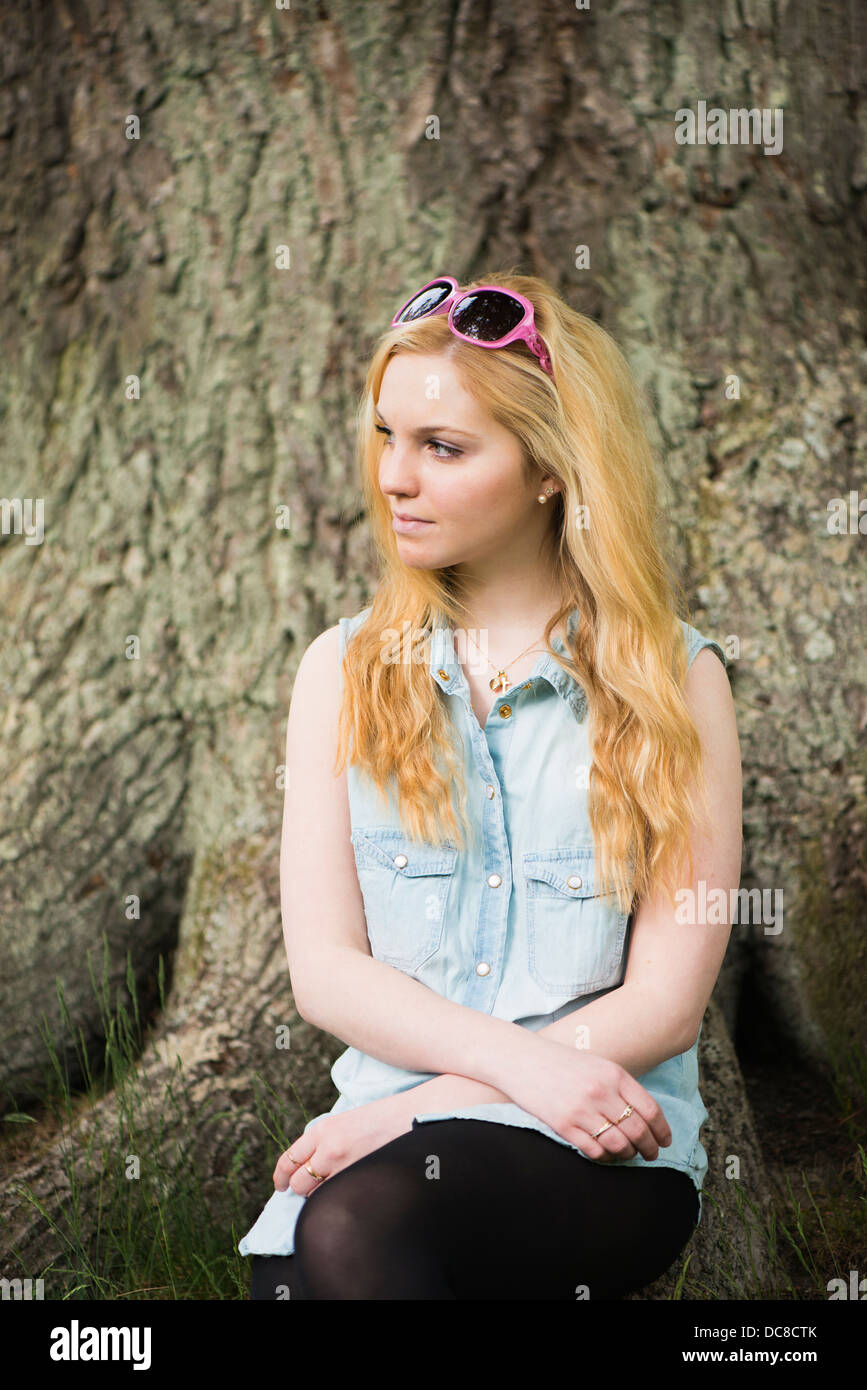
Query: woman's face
446, 461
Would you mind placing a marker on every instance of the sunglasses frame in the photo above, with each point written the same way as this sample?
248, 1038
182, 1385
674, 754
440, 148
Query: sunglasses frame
524, 331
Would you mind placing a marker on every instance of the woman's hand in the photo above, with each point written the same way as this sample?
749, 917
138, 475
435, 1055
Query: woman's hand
577, 1092
338, 1140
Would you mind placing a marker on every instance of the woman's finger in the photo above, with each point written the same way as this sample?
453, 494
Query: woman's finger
303, 1181
636, 1129
288, 1164
650, 1111
613, 1143
644, 1130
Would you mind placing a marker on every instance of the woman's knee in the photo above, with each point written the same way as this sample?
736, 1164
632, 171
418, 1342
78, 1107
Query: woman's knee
354, 1227
328, 1223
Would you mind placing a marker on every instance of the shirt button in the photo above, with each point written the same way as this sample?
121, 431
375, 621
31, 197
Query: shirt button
491, 792
401, 861
444, 675
483, 968
504, 711
494, 880
574, 880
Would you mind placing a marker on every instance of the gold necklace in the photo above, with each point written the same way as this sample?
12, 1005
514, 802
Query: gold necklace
501, 680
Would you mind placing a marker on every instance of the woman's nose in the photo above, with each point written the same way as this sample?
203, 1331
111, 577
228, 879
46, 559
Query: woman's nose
397, 471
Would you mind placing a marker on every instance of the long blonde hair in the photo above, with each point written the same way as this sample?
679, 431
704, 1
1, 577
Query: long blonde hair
585, 429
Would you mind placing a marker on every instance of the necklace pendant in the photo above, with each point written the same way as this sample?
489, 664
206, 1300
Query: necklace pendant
500, 682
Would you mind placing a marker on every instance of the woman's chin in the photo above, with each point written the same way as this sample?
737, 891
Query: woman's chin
415, 553
420, 562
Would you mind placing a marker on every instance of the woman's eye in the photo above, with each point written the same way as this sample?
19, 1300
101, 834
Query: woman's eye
450, 451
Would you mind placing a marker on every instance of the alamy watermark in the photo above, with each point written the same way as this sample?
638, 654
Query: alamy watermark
77, 1343
16, 516
720, 906
740, 126
22, 1290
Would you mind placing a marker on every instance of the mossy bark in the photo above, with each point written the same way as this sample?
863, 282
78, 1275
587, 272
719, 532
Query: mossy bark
168, 388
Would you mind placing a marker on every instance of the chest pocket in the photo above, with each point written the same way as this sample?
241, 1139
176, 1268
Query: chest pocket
575, 936
405, 887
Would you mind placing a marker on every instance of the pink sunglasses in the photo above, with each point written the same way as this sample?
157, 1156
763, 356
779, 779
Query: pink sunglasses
488, 315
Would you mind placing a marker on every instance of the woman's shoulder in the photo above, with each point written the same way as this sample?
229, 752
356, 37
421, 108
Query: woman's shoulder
708, 693
347, 626
696, 641
319, 669
319, 656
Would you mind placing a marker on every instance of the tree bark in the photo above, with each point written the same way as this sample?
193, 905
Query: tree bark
168, 389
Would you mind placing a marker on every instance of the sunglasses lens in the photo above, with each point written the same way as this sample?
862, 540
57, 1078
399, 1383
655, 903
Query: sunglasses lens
488, 315
425, 302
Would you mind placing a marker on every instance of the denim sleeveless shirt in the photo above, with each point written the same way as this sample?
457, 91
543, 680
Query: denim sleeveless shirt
515, 927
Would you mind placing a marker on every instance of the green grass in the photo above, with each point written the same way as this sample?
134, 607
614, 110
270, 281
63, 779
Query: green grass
804, 1240
171, 1232
809, 1237
140, 1224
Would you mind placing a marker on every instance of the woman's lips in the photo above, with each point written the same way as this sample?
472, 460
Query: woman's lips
408, 525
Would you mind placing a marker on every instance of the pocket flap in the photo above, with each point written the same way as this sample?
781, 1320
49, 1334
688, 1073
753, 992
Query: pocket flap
392, 849
569, 871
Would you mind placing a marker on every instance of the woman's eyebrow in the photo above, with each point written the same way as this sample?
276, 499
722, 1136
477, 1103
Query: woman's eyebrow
430, 429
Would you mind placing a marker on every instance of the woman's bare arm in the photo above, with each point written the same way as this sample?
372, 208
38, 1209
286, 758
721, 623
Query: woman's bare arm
338, 985
672, 966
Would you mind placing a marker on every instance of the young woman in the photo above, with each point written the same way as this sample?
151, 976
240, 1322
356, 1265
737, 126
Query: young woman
507, 779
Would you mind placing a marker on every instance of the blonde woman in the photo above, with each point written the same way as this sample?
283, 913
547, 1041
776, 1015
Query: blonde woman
510, 780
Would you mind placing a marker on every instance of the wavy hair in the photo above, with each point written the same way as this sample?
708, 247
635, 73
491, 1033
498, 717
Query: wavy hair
585, 428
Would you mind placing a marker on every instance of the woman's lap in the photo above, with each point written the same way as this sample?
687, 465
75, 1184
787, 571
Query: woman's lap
472, 1209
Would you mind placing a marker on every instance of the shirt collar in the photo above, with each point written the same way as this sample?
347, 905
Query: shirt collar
448, 673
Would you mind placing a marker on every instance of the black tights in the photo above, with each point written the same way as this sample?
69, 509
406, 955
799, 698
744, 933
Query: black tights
473, 1209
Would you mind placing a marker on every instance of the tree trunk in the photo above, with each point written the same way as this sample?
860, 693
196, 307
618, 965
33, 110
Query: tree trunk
172, 385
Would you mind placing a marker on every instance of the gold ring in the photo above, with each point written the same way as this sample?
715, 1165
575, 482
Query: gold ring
317, 1176
603, 1129
627, 1112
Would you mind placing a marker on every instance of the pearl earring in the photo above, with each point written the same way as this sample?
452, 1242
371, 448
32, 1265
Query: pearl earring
542, 497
